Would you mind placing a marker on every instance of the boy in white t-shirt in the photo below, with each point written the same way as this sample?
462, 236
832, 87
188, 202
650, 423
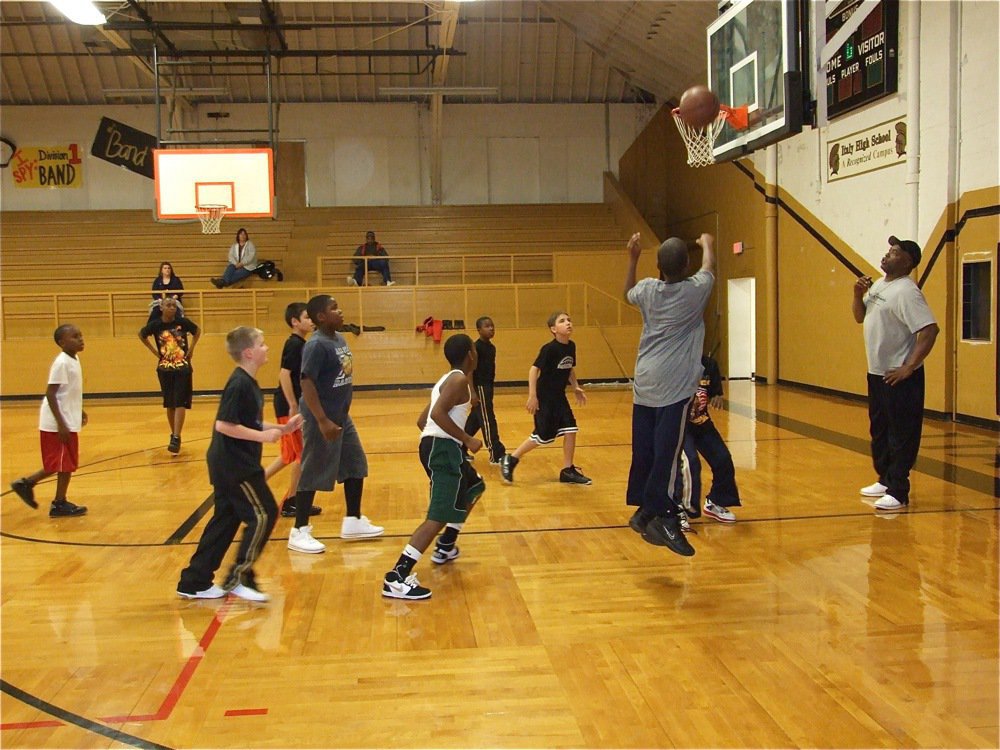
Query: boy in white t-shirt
59, 423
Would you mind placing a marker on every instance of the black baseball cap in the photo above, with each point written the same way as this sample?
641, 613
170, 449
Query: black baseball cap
909, 247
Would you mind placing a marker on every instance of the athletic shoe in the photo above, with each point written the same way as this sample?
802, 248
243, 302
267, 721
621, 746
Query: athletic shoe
301, 540
442, 555
638, 521
212, 592
496, 461
874, 490
66, 508
390, 283
351, 281
249, 593
359, 528
888, 502
25, 490
288, 510
395, 588
573, 475
719, 513
174, 446
685, 526
218, 283
665, 531
507, 465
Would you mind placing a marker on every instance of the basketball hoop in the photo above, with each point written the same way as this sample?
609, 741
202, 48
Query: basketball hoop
211, 216
701, 141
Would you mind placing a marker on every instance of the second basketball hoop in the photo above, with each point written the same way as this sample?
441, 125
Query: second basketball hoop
211, 215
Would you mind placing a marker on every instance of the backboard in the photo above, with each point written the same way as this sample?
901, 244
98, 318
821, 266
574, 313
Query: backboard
241, 179
754, 58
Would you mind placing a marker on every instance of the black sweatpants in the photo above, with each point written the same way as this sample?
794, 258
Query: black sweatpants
657, 441
483, 418
249, 502
896, 413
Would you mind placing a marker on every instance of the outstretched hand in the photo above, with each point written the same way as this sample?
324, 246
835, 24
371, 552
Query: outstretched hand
633, 247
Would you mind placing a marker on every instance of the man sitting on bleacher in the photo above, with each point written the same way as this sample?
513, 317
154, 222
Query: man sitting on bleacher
370, 249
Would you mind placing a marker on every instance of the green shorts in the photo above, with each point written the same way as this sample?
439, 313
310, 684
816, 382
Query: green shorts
455, 485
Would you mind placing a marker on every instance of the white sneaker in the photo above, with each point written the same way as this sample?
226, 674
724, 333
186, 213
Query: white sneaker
212, 592
251, 595
359, 528
410, 588
301, 540
888, 502
442, 555
351, 281
874, 490
390, 283
718, 512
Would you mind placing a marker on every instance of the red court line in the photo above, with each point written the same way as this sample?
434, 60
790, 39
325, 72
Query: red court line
187, 672
31, 724
246, 712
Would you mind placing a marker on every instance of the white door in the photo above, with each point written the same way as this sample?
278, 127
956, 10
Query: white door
742, 315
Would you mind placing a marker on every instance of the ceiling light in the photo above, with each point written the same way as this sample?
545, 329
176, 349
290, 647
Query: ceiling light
82, 12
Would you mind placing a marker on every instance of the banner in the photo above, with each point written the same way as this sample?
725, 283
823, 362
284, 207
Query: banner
125, 146
867, 150
47, 167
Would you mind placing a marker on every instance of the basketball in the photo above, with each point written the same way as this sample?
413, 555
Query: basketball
699, 106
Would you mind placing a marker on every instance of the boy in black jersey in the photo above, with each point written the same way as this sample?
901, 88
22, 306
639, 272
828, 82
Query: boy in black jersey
241, 494
553, 370
286, 403
482, 416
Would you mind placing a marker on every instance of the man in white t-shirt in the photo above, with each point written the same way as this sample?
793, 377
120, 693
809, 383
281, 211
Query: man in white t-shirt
900, 331
59, 422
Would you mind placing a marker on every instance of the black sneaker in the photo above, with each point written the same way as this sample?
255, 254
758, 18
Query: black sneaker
665, 531
638, 521
24, 490
288, 510
507, 465
218, 283
395, 587
573, 475
174, 446
66, 508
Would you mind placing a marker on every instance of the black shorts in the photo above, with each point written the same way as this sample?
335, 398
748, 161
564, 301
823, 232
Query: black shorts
553, 419
176, 388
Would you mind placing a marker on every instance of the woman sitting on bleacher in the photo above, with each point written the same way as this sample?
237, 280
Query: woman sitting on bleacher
163, 283
242, 261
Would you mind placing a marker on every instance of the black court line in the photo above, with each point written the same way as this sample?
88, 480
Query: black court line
115, 735
185, 528
949, 472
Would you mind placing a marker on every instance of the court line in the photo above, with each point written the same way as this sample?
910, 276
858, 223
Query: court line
182, 531
69, 717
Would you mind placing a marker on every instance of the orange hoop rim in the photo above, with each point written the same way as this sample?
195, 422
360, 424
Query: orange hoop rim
737, 117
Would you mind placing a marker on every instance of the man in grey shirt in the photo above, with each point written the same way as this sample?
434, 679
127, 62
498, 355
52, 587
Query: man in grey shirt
899, 333
667, 369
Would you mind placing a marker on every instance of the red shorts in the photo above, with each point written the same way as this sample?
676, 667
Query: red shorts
291, 444
57, 456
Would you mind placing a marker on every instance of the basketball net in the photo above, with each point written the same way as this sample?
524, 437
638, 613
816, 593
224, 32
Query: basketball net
211, 216
700, 142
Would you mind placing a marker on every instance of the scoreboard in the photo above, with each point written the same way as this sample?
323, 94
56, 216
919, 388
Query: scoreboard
866, 67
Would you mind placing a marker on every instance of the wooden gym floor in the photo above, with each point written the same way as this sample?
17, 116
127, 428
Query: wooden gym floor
812, 622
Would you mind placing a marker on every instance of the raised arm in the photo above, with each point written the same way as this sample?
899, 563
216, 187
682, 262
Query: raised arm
861, 286
633, 263
707, 244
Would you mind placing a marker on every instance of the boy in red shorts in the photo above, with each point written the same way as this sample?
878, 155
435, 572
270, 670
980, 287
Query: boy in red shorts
286, 403
59, 423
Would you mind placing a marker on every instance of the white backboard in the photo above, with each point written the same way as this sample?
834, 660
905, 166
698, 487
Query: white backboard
241, 179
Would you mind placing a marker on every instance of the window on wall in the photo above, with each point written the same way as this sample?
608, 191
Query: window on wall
976, 287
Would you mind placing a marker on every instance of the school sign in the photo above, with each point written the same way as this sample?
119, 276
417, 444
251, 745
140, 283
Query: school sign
47, 166
874, 148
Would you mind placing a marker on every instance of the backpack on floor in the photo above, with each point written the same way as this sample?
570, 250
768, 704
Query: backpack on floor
267, 270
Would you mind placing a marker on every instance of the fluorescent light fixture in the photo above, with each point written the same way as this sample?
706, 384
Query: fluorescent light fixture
445, 90
82, 12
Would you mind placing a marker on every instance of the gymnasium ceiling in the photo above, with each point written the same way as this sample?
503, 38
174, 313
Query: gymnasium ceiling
519, 51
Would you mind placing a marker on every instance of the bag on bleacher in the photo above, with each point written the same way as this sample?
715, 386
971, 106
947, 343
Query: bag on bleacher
267, 270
